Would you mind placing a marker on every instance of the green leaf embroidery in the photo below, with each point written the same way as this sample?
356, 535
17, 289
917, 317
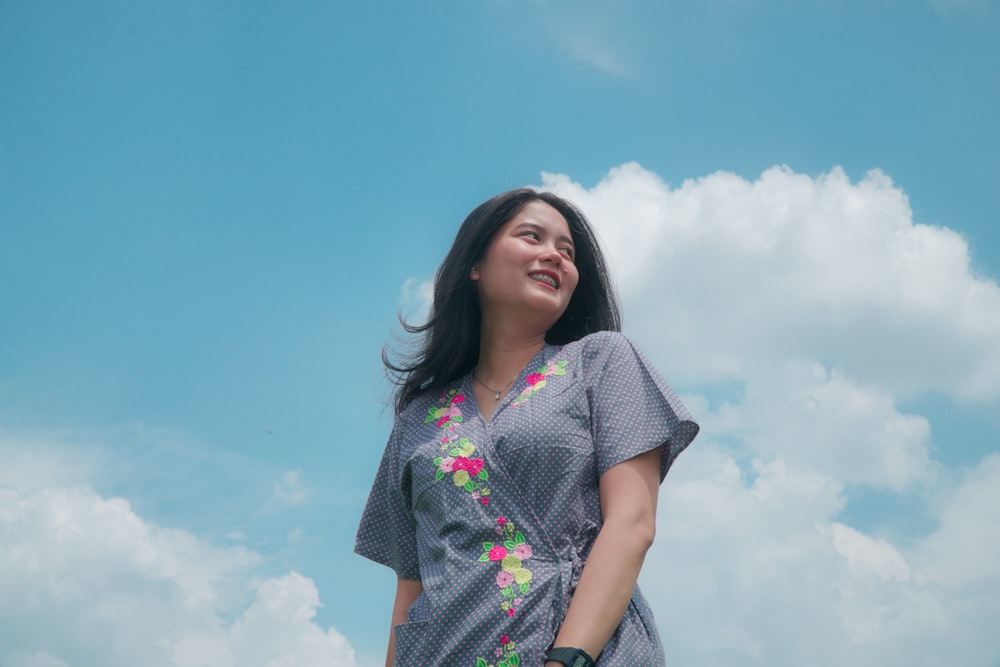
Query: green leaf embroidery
483, 475
484, 558
487, 546
519, 538
509, 545
481, 663
513, 660
524, 588
455, 452
438, 475
469, 486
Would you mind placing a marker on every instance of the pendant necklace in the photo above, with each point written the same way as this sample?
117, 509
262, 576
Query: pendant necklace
496, 392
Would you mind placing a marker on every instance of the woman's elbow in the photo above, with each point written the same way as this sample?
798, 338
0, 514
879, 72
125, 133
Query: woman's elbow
645, 532
637, 531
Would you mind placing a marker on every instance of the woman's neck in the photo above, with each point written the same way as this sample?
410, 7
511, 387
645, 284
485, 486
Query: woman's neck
502, 355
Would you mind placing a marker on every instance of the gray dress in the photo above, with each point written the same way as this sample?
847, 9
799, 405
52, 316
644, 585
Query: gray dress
496, 517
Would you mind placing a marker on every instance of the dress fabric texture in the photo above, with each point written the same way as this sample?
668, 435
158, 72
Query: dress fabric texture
496, 517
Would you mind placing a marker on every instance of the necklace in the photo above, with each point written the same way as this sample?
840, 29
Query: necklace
496, 392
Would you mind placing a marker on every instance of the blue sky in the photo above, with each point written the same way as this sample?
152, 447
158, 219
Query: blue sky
212, 212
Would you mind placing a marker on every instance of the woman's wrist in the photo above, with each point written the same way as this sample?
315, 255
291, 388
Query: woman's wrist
569, 656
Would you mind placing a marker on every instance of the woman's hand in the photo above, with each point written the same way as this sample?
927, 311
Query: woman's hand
628, 506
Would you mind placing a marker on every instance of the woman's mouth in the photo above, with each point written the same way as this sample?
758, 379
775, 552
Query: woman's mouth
545, 277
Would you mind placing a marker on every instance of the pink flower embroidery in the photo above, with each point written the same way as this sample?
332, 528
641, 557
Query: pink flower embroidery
471, 466
474, 466
510, 612
457, 398
504, 578
448, 415
502, 520
447, 464
537, 380
504, 640
485, 501
497, 552
522, 551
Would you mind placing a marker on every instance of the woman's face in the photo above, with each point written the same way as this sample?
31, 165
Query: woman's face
528, 268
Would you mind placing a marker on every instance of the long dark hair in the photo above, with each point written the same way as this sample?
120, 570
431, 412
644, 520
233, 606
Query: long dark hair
450, 344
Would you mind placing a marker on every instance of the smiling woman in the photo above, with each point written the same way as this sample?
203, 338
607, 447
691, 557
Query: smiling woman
516, 498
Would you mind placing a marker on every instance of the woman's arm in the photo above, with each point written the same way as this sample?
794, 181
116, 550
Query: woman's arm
628, 505
407, 591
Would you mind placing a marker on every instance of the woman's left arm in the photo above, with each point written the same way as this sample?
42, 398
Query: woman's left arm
628, 505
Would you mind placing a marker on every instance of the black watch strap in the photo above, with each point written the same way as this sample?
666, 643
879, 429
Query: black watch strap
571, 657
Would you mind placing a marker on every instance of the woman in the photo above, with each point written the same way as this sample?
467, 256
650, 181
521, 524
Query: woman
516, 498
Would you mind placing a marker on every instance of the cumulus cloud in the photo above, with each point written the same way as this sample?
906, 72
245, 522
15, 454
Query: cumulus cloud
756, 569
732, 276
84, 580
799, 312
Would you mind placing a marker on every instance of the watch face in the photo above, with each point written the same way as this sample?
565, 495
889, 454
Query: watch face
571, 657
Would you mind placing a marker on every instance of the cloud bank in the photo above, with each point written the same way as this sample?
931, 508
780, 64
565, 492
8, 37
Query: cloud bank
802, 311
84, 580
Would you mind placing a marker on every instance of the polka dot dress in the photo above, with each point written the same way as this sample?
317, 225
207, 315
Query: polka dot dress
496, 517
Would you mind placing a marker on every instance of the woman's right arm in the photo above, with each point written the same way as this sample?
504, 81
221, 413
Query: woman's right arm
407, 591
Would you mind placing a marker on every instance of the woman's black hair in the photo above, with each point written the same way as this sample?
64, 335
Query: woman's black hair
450, 344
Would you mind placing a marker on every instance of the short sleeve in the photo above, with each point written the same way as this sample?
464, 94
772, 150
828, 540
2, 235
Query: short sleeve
633, 410
387, 533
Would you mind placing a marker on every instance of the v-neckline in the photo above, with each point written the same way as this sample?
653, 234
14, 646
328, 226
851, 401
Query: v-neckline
510, 392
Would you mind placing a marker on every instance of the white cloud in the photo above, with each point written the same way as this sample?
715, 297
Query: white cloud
290, 489
818, 419
30, 461
599, 54
86, 581
732, 276
759, 571
806, 308
415, 300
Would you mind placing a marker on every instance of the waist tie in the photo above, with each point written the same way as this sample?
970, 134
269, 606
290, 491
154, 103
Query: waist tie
570, 569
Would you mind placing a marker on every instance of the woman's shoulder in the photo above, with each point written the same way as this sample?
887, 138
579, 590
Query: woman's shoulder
598, 343
592, 353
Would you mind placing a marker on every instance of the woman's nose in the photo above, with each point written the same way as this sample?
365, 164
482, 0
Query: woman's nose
550, 253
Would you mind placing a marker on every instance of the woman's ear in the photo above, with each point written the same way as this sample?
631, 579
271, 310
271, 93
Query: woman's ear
474, 274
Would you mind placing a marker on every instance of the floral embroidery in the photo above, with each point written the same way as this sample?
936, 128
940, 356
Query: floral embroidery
537, 380
466, 472
513, 579
450, 414
470, 474
506, 654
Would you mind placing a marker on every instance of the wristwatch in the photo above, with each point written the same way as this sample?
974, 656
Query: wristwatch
571, 657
